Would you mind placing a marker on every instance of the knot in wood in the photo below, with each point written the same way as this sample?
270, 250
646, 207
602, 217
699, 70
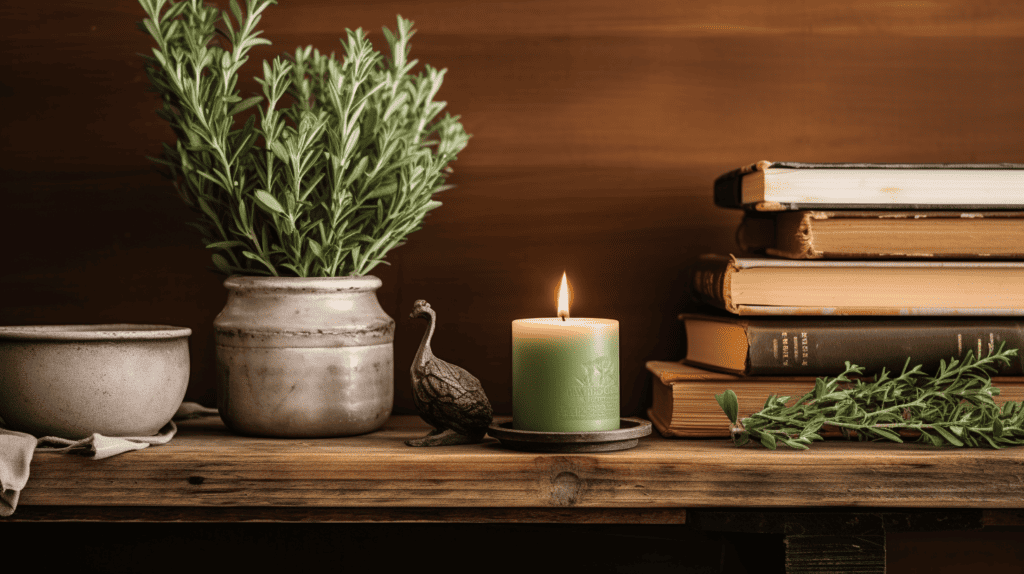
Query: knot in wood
566, 488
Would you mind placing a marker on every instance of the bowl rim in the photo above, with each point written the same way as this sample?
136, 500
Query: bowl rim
100, 332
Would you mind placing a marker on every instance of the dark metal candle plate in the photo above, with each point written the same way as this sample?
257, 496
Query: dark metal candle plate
625, 437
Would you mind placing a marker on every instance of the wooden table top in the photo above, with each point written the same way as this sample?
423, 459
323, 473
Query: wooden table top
205, 465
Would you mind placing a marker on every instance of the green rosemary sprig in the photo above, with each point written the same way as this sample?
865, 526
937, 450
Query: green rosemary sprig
339, 162
953, 407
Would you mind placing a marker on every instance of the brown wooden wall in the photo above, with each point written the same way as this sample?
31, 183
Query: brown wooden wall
598, 127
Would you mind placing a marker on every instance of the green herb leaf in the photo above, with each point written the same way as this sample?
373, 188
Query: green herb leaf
224, 244
221, 264
314, 247
245, 104
730, 404
793, 444
887, 434
948, 436
268, 202
384, 190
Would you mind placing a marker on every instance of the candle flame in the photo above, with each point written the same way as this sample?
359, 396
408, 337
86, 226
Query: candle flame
563, 299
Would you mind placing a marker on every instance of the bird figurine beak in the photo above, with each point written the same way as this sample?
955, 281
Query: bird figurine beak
419, 310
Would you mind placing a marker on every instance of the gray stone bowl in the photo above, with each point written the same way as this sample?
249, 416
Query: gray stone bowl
74, 380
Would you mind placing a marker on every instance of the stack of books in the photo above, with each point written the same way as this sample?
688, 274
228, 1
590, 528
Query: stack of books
867, 263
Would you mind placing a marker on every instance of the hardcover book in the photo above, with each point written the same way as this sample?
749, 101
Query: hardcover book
763, 286
683, 397
815, 346
779, 186
883, 234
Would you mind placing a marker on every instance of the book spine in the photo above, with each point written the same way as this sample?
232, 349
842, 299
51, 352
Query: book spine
781, 234
710, 282
728, 190
755, 234
823, 350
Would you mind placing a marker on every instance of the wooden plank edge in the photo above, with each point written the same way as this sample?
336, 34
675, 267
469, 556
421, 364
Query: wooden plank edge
347, 515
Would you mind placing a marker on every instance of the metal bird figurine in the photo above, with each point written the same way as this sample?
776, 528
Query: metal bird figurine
449, 398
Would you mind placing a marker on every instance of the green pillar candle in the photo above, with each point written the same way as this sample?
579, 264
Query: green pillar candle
565, 374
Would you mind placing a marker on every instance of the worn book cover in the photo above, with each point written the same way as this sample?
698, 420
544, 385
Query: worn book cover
883, 234
683, 398
780, 186
766, 286
816, 346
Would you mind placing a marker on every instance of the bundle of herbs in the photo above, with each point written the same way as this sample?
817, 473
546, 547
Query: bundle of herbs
953, 407
341, 165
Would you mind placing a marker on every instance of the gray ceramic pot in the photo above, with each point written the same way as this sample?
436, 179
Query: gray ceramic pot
304, 357
74, 380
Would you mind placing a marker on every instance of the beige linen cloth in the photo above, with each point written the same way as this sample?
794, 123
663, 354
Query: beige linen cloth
17, 448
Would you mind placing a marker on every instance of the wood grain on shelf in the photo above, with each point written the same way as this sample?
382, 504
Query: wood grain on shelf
206, 465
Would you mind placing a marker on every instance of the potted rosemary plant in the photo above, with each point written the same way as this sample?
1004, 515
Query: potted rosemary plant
300, 192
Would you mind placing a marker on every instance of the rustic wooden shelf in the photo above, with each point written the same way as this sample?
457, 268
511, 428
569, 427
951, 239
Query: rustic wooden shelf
206, 471
834, 504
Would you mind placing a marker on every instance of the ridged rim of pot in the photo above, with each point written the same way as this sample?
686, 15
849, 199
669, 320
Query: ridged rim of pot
103, 332
351, 283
